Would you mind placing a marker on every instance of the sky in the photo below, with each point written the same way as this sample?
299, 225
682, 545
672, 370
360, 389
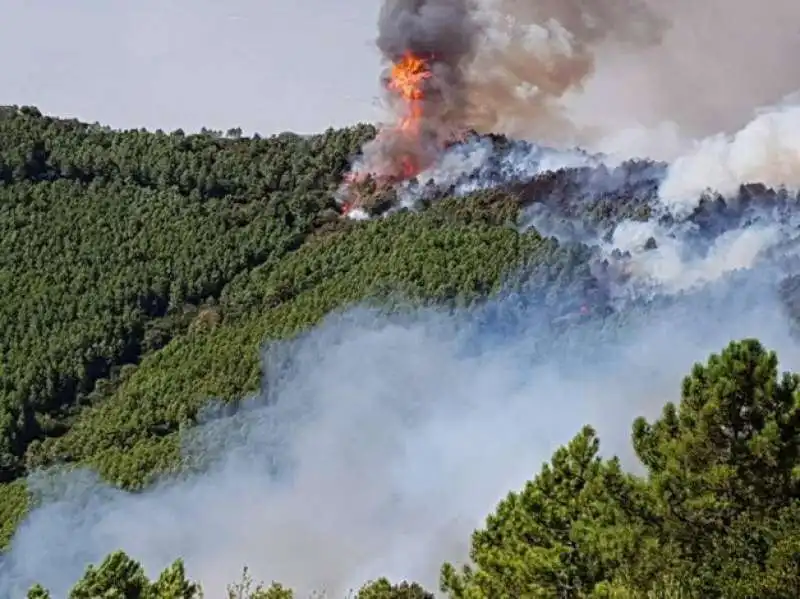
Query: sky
263, 65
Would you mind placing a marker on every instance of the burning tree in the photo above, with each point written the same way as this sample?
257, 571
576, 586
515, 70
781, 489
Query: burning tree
425, 43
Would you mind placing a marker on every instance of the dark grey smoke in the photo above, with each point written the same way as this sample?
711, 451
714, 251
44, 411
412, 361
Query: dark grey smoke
443, 29
491, 62
442, 32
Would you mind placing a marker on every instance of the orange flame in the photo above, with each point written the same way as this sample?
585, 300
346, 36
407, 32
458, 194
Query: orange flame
407, 78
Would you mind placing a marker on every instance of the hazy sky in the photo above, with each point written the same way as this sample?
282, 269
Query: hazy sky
263, 65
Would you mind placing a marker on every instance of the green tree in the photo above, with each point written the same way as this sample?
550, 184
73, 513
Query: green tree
383, 589
120, 577
246, 588
725, 466
37, 591
172, 583
717, 516
575, 525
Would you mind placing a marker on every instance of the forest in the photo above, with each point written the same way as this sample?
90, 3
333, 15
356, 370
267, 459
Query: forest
143, 271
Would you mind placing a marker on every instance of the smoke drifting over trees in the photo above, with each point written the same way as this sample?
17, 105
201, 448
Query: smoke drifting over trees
240, 374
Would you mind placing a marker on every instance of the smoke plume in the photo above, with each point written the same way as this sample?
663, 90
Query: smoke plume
766, 150
534, 53
440, 31
441, 34
638, 77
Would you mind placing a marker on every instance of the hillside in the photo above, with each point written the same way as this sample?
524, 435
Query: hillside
143, 273
138, 258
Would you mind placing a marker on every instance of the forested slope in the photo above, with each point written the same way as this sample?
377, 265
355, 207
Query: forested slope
112, 242
143, 271
108, 236
716, 515
146, 269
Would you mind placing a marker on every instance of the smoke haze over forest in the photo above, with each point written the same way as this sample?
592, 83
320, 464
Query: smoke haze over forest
379, 441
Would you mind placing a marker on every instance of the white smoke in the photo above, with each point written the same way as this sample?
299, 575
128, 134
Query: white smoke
637, 78
766, 150
476, 164
672, 268
380, 444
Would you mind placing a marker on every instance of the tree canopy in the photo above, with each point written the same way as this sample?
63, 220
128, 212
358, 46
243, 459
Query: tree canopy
143, 270
715, 516
136, 260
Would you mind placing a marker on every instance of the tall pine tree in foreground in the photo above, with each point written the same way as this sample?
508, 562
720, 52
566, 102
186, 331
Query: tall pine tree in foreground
725, 469
717, 515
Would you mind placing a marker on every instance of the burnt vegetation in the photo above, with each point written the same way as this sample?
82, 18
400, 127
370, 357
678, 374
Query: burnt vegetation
132, 261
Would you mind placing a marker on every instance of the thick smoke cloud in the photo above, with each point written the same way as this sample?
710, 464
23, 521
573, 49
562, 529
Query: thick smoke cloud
440, 30
635, 78
497, 66
533, 53
766, 150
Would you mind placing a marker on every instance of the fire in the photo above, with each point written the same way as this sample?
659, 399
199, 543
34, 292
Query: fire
407, 78
406, 81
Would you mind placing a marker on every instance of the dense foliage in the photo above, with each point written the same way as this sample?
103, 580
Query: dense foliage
147, 268
109, 238
142, 272
716, 515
